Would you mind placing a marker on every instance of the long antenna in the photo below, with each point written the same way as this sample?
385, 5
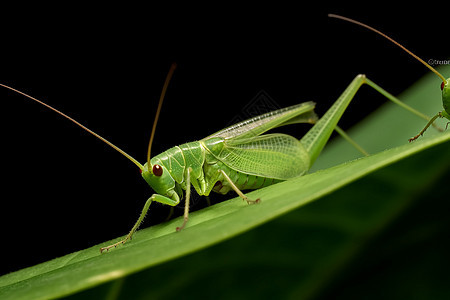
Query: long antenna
390, 39
77, 123
161, 98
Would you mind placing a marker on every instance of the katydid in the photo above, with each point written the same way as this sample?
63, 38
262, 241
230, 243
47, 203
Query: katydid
239, 157
445, 86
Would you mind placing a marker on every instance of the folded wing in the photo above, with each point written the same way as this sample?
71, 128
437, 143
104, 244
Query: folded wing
300, 113
277, 156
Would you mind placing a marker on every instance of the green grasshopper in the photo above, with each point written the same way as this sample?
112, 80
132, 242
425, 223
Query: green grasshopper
240, 157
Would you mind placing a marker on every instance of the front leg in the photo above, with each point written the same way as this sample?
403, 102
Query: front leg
154, 197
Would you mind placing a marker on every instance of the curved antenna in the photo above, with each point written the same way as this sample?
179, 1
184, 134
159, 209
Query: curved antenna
79, 124
158, 110
390, 39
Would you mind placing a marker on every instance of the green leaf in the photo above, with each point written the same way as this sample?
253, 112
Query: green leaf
316, 251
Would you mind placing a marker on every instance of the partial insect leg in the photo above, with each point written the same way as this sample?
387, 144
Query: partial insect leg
346, 137
169, 215
237, 190
135, 227
407, 107
316, 138
172, 201
188, 196
439, 115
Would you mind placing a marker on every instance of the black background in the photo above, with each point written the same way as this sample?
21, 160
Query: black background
63, 190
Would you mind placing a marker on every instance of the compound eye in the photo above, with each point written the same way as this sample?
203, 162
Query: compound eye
157, 170
442, 85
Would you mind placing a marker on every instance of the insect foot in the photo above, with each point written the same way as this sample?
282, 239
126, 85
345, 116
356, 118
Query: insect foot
414, 138
182, 225
115, 245
257, 201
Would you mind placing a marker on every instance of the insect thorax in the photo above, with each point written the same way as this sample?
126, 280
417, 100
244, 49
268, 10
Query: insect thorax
178, 158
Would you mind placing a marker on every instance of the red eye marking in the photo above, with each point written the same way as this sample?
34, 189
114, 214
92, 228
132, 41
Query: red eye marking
157, 170
442, 85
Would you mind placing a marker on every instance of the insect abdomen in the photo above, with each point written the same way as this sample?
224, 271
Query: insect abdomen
242, 181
